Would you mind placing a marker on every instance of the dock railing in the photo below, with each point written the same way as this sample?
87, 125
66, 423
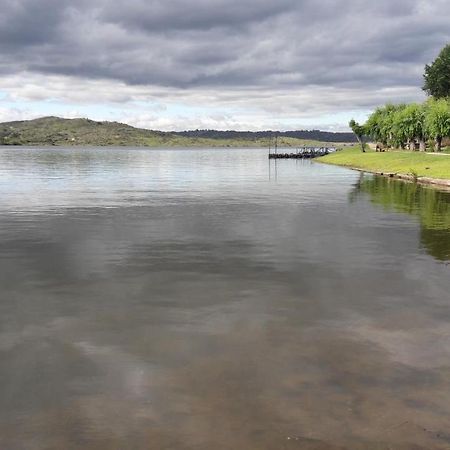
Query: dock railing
303, 153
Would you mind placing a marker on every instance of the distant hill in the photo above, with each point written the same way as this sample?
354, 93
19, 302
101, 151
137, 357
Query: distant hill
315, 135
67, 132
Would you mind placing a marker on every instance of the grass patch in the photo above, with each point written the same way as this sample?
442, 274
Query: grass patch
416, 164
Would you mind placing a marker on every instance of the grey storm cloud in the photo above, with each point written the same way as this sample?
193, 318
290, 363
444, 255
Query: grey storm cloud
262, 44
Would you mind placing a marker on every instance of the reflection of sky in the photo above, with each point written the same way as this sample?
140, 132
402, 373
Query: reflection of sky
78, 177
150, 295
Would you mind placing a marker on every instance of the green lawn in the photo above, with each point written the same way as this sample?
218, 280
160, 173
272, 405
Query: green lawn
397, 162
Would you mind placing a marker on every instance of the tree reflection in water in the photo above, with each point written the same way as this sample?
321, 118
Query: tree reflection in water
431, 206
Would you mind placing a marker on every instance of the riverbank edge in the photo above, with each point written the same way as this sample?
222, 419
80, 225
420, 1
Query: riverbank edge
438, 183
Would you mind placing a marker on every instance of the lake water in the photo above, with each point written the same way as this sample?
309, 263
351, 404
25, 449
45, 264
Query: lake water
206, 299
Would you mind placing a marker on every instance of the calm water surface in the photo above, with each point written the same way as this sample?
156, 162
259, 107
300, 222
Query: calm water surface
205, 299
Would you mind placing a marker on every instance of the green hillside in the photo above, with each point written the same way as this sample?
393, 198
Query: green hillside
67, 132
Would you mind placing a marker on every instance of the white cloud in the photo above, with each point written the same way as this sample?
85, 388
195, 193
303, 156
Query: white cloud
246, 64
159, 108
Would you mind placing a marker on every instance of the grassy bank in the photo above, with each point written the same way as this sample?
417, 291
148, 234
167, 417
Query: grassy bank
415, 164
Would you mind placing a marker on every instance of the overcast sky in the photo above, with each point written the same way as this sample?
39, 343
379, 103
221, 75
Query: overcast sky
224, 64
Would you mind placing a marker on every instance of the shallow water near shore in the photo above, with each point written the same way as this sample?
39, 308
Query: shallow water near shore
209, 299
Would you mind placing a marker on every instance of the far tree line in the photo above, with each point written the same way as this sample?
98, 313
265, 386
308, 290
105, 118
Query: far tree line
413, 126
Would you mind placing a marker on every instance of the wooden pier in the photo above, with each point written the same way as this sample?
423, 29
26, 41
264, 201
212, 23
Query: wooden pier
302, 153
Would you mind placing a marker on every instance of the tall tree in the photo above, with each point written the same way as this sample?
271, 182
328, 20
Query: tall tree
409, 126
359, 133
374, 126
380, 125
438, 120
437, 75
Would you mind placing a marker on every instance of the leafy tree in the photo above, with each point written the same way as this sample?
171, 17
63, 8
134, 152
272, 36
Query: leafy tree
380, 125
388, 124
399, 131
409, 126
438, 120
437, 75
359, 131
374, 126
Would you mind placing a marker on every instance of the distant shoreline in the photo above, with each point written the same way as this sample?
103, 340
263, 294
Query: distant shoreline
207, 146
55, 131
